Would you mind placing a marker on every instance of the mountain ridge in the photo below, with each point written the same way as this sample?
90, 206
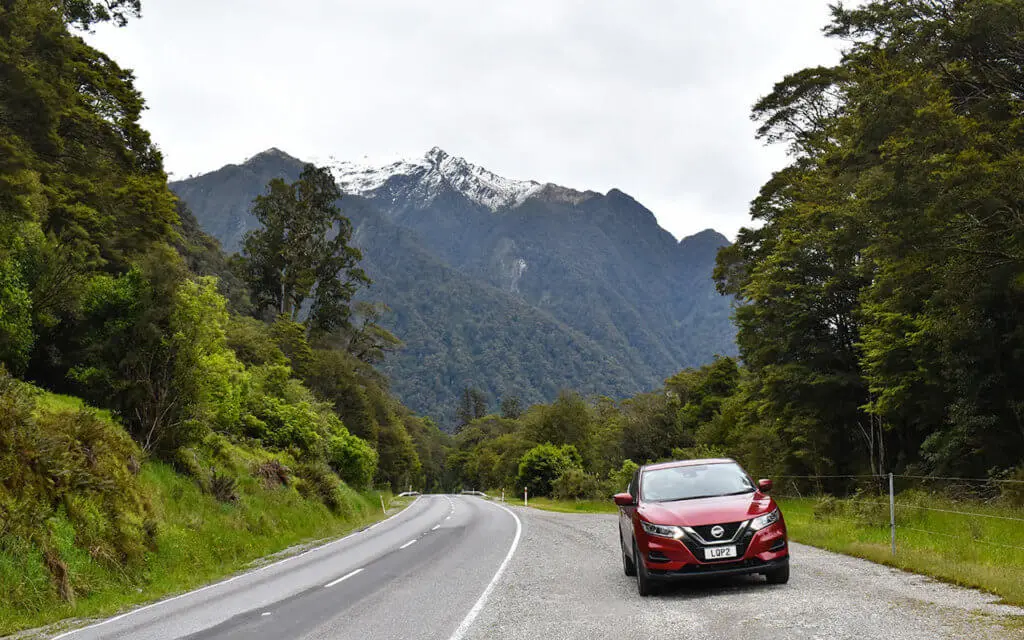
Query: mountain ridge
533, 286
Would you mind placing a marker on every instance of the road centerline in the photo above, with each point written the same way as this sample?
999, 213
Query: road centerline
411, 542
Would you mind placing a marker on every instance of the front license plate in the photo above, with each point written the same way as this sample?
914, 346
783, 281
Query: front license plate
717, 553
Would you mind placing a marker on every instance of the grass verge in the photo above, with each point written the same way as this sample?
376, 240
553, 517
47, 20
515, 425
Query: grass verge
574, 506
972, 551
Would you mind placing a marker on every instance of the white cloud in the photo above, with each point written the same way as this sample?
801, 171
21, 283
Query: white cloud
652, 97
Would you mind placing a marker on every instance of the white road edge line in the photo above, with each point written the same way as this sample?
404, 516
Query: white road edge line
231, 579
343, 578
411, 542
467, 622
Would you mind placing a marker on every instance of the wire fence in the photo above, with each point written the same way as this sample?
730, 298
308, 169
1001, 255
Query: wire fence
912, 503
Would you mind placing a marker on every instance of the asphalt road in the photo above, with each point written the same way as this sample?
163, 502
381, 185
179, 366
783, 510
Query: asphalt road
417, 575
456, 568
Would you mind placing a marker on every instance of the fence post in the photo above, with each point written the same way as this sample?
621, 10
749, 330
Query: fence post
892, 516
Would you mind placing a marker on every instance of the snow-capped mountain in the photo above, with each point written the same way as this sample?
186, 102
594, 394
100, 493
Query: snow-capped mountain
512, 286
428, 177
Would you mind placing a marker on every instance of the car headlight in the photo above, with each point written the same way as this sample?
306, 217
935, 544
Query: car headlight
662, 530
768, 519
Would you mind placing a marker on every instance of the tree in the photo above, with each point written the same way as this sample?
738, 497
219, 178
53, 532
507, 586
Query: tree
880, 297
84, 13
511, 407
472, 406
541, 466
365, 338
300, 263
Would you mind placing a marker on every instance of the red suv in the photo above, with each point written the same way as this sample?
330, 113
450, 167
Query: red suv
694, 518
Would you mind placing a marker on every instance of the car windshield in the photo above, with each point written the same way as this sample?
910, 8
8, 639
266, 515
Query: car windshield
694, 481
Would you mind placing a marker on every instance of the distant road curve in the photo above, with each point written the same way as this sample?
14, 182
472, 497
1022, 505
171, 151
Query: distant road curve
424, 573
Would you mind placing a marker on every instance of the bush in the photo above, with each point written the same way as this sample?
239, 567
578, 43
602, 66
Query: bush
223, 486
65, 468
353, 459
542, 465
576, 484
272, 472
620, 478
318, 481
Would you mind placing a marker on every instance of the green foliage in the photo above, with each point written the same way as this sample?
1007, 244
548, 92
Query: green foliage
352, 459
576, 484
302, 252
542, 465
472, 406
316, 480
620, 478
66, 468
880, 294
16, 336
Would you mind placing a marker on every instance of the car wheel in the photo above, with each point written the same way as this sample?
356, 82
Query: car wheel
628, 566
644, 584
779, 576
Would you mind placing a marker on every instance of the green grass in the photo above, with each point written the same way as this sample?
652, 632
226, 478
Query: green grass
572, 506
199, 540
971, 559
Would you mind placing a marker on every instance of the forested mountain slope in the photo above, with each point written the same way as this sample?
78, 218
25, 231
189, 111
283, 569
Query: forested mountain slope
514, 287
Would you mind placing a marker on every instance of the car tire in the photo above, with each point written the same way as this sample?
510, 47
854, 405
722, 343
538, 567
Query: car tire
779, 576
644, 584
628, 566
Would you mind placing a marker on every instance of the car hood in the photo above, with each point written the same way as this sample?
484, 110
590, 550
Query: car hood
702, 511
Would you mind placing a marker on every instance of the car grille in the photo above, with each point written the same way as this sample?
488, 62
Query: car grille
730, 531
697, 549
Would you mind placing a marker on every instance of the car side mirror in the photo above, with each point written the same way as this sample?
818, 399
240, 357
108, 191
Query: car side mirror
624, 499
764, 485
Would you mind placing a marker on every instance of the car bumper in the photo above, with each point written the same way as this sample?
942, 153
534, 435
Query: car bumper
718, 570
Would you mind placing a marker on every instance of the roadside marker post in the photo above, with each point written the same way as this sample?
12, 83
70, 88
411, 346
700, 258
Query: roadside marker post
503, 495
526, 501
892, 516
382, 509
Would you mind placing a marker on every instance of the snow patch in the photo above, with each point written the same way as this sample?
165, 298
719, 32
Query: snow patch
433, 172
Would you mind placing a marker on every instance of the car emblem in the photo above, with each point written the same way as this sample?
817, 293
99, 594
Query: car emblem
717, 531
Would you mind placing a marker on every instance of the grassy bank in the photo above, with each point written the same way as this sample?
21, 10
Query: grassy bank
199, 540
86, 531
979, 556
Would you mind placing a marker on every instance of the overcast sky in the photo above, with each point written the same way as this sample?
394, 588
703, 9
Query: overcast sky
652, 97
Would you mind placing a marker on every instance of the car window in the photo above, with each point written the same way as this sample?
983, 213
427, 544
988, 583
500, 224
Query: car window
695, 481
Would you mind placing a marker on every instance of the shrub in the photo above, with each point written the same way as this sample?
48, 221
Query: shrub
223, 486
272, 472
318, 481
576, 484
67, 469
620, 478
353, 459
542, 465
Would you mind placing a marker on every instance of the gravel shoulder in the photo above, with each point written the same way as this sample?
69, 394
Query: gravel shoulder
566, 581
